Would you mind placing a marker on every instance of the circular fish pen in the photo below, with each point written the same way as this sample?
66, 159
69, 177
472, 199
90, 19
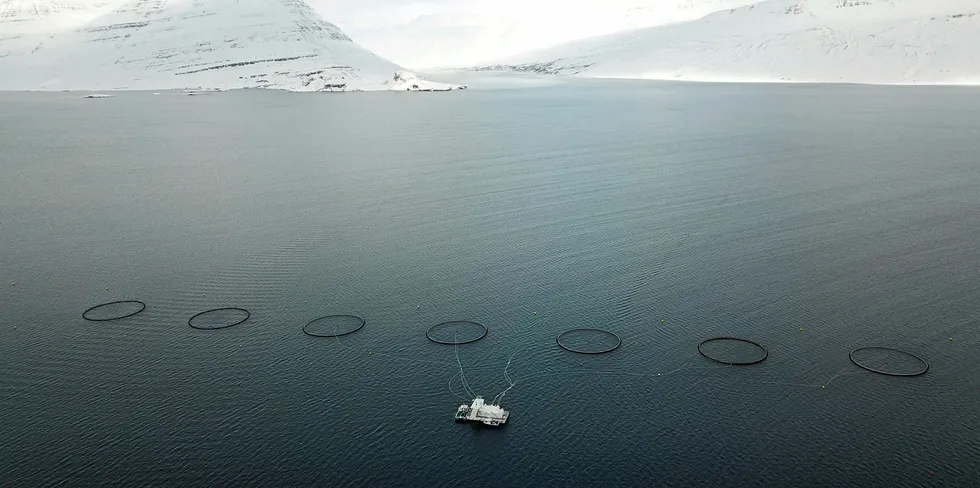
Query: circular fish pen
456, 332
219, 318
888, 361
119, 309
333, 325
589, 341
733, 351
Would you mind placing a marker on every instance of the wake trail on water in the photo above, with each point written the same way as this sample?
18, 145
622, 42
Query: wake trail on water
500, 396
451, 390
462, 377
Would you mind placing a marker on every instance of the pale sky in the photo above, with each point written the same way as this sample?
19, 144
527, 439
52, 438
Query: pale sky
383, 13
433, 33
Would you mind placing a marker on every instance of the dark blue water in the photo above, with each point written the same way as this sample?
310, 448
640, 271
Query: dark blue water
812, 219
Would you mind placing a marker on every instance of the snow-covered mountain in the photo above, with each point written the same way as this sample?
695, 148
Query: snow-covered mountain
38, 16
159, 44
470, 32
861, 41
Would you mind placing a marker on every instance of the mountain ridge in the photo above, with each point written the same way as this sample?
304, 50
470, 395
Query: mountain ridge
854, 41
172, 44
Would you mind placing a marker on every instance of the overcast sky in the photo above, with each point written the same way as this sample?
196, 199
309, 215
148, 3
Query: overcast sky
383, 13
380, 13
429, 33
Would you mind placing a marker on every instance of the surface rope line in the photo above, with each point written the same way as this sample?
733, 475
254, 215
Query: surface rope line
500, 396
462, 377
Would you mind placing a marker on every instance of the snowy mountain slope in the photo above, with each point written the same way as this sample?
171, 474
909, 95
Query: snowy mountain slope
862, 41
159, 44
35, 16
21, 21
474, 32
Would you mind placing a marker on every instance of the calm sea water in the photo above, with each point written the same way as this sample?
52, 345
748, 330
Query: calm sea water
812, 219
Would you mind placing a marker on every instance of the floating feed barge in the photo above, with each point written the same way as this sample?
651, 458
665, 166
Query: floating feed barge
479, 411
